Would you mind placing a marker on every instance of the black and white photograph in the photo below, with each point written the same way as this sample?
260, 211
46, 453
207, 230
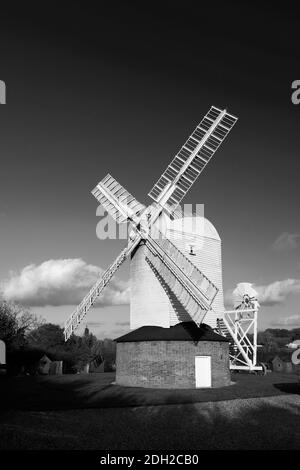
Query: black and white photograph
149, 231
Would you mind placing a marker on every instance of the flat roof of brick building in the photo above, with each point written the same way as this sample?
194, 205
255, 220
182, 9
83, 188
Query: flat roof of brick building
184, 331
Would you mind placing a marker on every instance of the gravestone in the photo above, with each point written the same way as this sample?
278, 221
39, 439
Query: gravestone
56, 368
44, 365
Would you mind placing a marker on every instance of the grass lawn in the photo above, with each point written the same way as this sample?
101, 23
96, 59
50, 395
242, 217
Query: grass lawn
96, 390
87, 412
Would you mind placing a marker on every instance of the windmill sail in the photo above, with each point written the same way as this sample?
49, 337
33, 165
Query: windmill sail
77, 316
118, 202
192, 288
192, 158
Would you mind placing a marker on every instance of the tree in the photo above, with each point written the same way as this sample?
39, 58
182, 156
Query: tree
88, 338
48, 337
16, 322
77, 352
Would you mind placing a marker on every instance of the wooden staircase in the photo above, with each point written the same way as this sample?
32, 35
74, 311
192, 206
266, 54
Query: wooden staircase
223, 331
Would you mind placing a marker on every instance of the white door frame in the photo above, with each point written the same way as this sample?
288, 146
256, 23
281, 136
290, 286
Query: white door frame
206, 383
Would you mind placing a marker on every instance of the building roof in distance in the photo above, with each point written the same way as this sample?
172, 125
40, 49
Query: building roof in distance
184, 331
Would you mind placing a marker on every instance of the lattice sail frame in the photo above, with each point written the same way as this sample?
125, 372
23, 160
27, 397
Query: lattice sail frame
88, 301
192, 158
117, 201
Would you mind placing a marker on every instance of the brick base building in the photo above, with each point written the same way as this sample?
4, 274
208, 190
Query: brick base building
182, 356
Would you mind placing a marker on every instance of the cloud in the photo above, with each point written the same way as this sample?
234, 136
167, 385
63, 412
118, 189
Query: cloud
271, 294
291, 321
61, 282
277, 292
286, 242
115, 333
95, 324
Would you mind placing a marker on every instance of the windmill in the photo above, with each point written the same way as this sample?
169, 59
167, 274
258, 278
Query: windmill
193, 289
177, 273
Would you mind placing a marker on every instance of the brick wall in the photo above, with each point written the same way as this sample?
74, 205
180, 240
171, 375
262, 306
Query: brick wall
169, 364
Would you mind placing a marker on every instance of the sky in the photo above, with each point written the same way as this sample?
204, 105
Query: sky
117, 89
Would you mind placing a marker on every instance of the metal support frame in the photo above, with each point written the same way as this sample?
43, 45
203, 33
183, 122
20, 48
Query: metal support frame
241, 323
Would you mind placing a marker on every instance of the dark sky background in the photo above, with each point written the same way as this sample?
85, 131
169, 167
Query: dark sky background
118, 88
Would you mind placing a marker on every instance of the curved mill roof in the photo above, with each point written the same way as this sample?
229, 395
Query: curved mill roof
196, 225
193, 225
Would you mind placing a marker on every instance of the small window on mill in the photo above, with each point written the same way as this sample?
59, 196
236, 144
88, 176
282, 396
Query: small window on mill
192, 250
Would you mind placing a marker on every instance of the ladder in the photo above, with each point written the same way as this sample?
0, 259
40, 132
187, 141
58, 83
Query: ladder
223, 331
194, 290
88, 301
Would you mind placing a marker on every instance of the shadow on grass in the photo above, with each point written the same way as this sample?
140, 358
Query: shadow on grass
291, 388
96, 391
271, 423
246, 425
